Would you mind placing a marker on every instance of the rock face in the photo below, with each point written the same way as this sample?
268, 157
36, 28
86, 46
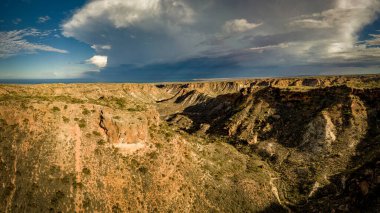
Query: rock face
126, 129
261, 145
320, 134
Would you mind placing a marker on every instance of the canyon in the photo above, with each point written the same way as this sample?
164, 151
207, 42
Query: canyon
306, 144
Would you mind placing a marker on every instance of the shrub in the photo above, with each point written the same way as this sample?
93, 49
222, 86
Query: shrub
101, 142
55, 169
116, 209
56, 109
86, 171
96, 133
65, 119
23, 106
57, 197
143, 170
153, 155
138, 108
82, 123
86, 112
159, 145
120, 102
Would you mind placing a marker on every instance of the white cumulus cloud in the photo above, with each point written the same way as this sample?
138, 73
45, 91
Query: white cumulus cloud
122, 14
98, 60
139, 31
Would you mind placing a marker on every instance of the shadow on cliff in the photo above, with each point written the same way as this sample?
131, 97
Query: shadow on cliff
274, 208
355, 189
297, 109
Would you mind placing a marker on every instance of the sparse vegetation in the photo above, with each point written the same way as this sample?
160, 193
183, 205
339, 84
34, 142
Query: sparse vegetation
86, 171
57, 198
82, 123
137, 108
101, 142
77, 184
153, 155
66, 119
96, 133
116, 209
23, 106
143, 170
158, 145
116, 117
120, 102
86, 111
55, 169
56, 109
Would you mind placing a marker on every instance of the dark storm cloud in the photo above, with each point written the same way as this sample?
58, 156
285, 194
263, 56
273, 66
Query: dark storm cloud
202, 67
168, 35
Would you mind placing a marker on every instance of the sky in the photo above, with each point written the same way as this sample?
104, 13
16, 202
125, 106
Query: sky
184, 40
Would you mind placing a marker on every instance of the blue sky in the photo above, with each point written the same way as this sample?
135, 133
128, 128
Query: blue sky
44, 19
179, 40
